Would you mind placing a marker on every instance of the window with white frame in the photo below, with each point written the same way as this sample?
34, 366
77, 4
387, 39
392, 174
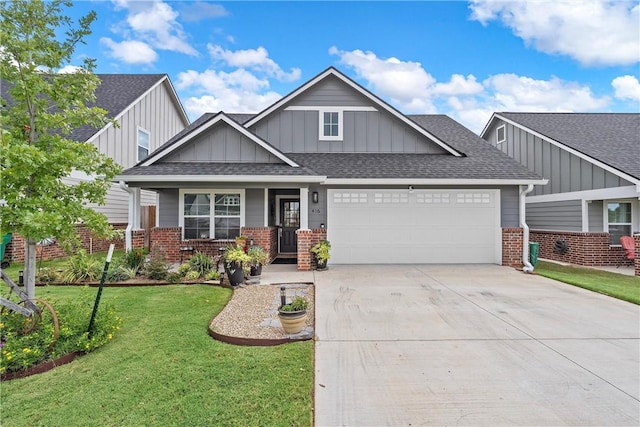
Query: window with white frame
211, 214
330, 125
501, 134
618, 221
143, 144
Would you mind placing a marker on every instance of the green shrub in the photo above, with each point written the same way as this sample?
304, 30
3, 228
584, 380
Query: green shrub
82, 267
22, 350
213, 275
47, 275
134, 259
174, 277
192, 275
202, 263
157, 267
297, 303
183, 269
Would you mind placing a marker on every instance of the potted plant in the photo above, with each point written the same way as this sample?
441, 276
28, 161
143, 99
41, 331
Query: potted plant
237, 262
259, 258
321, 254
293, 316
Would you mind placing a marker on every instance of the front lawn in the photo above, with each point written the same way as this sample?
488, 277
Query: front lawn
163, 369
619, 286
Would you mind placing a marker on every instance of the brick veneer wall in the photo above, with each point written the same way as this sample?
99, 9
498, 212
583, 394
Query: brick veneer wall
16, 249
636, 238
512, 247
306, 240
590, 249
265, 237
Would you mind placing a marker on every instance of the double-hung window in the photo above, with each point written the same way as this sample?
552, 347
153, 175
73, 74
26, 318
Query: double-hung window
619, 220
143, 144
212, 214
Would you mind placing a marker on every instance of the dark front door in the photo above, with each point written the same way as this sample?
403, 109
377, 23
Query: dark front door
290, 220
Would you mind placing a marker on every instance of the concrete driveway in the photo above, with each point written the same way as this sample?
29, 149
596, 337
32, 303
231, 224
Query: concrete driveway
471, 345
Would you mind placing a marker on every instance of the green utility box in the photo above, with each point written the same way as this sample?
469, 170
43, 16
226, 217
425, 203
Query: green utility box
534, 251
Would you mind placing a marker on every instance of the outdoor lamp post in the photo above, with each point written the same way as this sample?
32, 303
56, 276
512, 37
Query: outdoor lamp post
283, 296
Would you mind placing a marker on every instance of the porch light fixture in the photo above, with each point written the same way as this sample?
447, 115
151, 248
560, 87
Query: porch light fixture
314, 197
411, 189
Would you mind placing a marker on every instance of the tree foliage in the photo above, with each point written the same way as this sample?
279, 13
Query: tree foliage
41, 110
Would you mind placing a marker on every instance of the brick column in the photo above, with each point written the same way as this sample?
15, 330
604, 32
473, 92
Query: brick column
306, 240
137, 239
265, 237
512, 247
636, 238
167, 240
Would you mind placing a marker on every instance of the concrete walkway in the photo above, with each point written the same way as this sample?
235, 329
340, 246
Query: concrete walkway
471, 345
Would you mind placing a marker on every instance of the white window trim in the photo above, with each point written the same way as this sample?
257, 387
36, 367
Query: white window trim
504, 134
605, 217
139, 129
211, 193
321, 134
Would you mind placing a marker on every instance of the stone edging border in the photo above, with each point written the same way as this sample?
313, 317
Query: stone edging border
41, 368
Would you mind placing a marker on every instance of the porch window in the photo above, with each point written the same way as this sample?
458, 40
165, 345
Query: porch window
214, 214
197, 216
143, 144
330, 125
227, 215
619, 221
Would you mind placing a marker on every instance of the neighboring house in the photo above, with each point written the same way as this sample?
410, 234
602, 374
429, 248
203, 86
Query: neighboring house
592, 162
148, 112
332, 160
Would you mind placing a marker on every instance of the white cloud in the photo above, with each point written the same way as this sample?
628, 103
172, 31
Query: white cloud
130, 51
238, 91
153, 23
69, 69
627, 88
254, 59
199, 10
409, 87
594, 32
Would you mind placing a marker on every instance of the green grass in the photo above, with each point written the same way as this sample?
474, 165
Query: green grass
619, 286
163, 369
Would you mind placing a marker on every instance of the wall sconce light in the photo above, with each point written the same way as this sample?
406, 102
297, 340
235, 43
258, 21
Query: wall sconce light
314, 197
322, 225
411, 189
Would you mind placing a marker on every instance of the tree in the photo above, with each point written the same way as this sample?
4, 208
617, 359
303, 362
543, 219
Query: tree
36, 40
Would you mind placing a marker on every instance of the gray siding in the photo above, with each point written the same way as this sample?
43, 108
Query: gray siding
510, 207
596, 216
222, 143
156, 113
168, 210
297, 131
331, 92
254, 209
565, 171
563, 215
363, 132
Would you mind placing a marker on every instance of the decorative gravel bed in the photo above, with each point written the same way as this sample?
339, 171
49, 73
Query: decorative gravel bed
252, 311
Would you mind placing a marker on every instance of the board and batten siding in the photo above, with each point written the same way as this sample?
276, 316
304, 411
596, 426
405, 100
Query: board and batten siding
254, 208
222, 143
563, 215
156, 113
297, 131
566, 172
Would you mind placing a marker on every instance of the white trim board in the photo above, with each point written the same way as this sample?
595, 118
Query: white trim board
600, 194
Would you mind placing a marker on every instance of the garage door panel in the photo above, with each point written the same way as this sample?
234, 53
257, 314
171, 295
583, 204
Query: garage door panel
426, 226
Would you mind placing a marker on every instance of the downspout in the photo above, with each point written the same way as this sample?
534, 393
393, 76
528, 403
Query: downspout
127, 231
528, 268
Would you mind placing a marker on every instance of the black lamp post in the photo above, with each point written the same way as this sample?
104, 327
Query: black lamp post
283, 296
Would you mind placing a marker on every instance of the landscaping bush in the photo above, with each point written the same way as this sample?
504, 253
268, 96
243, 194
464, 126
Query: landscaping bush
134, 259
183, 269
157, 267
202, 263
82, 267
22, 350
213, 275
47, 275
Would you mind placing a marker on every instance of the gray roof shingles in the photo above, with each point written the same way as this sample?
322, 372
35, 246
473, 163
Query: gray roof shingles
216, 168
612, 138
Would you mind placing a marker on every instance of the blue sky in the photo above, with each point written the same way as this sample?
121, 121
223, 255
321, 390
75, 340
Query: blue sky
463, 59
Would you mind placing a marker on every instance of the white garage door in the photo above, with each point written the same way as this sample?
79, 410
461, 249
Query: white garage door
417, 227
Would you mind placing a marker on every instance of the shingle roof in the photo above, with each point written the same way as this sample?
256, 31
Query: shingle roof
115, 93
612, 138
216, 168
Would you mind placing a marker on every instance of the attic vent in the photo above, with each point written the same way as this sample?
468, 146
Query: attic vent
501, 134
